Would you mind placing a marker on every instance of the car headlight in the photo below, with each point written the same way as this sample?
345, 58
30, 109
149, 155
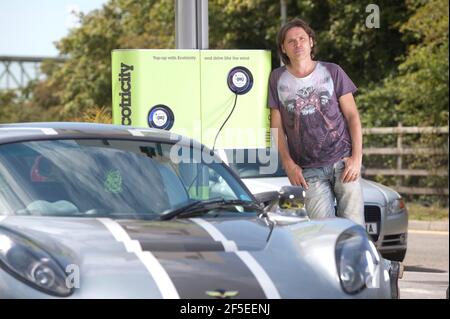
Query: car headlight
29, 263
357, 260
396, 206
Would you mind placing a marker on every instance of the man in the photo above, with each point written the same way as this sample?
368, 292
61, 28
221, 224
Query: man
318, 127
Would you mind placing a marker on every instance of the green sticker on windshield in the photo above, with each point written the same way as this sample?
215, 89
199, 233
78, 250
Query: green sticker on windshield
113, 182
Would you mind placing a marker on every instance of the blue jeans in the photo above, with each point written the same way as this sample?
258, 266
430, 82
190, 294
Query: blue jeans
325, 186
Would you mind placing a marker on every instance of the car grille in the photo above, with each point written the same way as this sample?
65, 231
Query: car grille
372, 214
394, 240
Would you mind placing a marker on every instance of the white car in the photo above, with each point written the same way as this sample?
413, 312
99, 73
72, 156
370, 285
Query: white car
385, 213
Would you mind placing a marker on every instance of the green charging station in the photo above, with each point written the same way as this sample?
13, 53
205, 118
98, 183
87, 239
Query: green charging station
192, 92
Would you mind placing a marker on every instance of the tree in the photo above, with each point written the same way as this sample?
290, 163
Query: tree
8, 104
423, 76
83, 83
368, 55
417, 93
244, 24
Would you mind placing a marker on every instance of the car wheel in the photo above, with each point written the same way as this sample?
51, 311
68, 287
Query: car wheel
397, 255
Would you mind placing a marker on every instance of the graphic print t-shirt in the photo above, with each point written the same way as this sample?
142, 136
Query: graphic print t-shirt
316, 129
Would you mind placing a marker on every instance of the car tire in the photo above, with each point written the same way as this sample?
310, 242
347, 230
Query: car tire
397, 255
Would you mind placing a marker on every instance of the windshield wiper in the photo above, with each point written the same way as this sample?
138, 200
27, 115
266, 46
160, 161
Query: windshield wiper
207, 205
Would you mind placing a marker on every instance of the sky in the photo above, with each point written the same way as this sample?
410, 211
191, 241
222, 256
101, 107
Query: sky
29, 27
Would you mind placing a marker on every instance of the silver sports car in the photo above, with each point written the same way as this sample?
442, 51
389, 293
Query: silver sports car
102, 211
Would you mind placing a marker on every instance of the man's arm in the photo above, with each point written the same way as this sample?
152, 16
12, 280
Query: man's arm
293, 171
352, 163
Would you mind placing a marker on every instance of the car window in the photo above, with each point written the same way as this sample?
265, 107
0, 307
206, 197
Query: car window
115, 177
251, 163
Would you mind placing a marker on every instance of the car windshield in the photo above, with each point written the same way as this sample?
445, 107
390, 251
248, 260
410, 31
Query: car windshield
252, 163
102, 177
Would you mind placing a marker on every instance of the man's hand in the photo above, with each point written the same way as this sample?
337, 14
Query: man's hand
295, 175
352, 170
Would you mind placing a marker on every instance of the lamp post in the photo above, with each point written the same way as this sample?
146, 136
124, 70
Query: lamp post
283, 10
191, 24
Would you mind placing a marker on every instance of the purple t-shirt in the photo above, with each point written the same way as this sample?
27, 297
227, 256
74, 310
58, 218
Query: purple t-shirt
317, 132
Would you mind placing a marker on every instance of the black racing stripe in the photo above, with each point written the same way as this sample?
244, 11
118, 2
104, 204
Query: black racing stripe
196, 273
194, 261
170, 236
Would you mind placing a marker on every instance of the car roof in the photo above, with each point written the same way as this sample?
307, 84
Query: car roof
63, 130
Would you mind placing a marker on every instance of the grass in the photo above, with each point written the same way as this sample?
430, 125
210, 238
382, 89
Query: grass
428, 213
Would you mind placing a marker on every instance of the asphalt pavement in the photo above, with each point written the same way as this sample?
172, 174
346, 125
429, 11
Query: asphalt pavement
426, 264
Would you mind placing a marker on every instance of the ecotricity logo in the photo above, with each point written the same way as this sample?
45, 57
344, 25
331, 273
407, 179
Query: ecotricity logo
125, 92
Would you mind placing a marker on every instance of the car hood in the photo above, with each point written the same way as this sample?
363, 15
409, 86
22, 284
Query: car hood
178, 235
376, 193
265, 184
190, 258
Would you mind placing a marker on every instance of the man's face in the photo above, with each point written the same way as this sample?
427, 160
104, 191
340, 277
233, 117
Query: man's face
297, 44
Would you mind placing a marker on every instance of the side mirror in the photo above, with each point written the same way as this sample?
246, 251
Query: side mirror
290, 202
295, 193
266, 198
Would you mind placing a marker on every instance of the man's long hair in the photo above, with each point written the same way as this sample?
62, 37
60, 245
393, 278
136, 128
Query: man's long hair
282, 36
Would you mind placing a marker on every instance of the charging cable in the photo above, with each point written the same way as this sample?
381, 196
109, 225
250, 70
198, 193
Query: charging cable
215, 140
223, 124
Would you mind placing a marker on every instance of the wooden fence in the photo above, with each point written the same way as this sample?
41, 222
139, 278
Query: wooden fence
400, 151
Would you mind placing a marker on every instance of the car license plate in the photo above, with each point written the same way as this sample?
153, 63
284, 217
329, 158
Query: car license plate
372, 228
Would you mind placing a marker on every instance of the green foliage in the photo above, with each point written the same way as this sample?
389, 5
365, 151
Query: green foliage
16, 107
7, 102
84, 81
417, 95
429, 212
244, 24
423, 78
368, 55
